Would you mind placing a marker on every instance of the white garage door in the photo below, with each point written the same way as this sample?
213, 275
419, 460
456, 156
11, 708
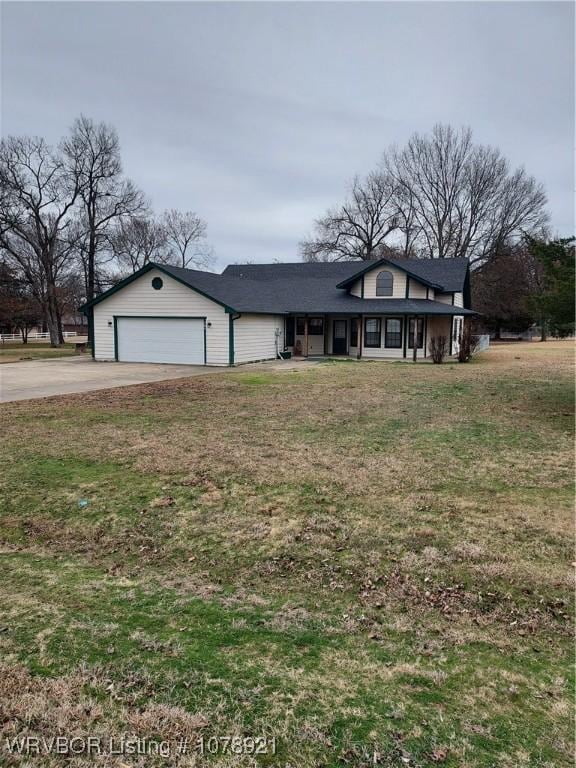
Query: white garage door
160, 340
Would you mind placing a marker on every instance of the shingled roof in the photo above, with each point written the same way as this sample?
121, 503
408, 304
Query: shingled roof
449, 274
310, 287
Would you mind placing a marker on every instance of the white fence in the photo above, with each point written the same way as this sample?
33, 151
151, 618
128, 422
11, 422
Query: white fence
483, 342
31, 336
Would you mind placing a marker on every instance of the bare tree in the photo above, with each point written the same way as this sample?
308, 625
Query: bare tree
186, 237
502, 288
38, 193
438, 348
465, 200
19, 310
93, 151
139, 240
467, 342
359, 228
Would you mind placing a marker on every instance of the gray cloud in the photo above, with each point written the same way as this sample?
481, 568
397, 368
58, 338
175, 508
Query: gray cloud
256, 115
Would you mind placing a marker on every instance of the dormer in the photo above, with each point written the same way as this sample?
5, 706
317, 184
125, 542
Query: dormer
382, 279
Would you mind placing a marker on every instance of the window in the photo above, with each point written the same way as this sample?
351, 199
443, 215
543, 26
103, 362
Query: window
354, 332
157, 283
420, 338
289, 341
384, 283
316, 326
393, 336
372, 332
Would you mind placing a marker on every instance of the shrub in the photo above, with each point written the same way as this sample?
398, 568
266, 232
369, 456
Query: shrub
438, 348
467, 343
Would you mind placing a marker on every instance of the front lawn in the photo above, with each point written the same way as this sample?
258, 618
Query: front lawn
369, 562
14, 353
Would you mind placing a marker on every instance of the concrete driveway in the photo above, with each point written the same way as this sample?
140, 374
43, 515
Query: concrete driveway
43, 378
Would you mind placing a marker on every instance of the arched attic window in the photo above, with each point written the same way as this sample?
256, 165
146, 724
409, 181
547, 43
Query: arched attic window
384, 283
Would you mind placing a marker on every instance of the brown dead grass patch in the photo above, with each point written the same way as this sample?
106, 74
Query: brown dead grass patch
88, 702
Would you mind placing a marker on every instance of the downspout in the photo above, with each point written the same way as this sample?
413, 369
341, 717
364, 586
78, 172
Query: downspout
231, 355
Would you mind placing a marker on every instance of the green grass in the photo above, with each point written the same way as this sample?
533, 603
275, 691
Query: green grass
12, 353
355, 559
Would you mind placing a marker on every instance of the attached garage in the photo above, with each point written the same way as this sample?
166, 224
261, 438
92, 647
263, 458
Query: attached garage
161, 340
166, 314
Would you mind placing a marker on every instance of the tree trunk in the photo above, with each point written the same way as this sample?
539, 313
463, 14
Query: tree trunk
543, 330
53, 318
91, 266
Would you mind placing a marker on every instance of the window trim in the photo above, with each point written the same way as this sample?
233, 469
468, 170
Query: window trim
419, 323
387, 333
366, 332
390, 291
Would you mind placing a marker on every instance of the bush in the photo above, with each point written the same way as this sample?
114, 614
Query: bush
467, 343
438, 348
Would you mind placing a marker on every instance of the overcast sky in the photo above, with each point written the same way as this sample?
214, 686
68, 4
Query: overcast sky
256, 115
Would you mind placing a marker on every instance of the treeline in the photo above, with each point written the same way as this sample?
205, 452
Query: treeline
444, 196
527, 283
71, 224
440, 196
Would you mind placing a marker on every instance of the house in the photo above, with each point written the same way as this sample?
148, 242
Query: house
373, 309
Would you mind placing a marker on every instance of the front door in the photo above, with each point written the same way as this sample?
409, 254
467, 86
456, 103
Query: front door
339, 337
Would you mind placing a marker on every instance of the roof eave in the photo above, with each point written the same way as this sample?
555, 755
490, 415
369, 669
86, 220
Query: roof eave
142, 271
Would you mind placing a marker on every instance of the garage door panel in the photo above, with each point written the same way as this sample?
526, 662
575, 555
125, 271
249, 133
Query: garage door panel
160, 340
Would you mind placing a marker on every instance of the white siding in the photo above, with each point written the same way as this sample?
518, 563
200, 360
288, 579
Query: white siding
416, 290
398, 289
173, 300
315, 344
440, 326
255, 337
446, 298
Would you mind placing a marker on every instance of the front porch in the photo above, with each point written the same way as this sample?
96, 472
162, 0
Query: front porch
385, 337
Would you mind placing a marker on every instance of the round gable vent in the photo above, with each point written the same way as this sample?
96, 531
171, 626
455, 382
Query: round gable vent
157, 283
